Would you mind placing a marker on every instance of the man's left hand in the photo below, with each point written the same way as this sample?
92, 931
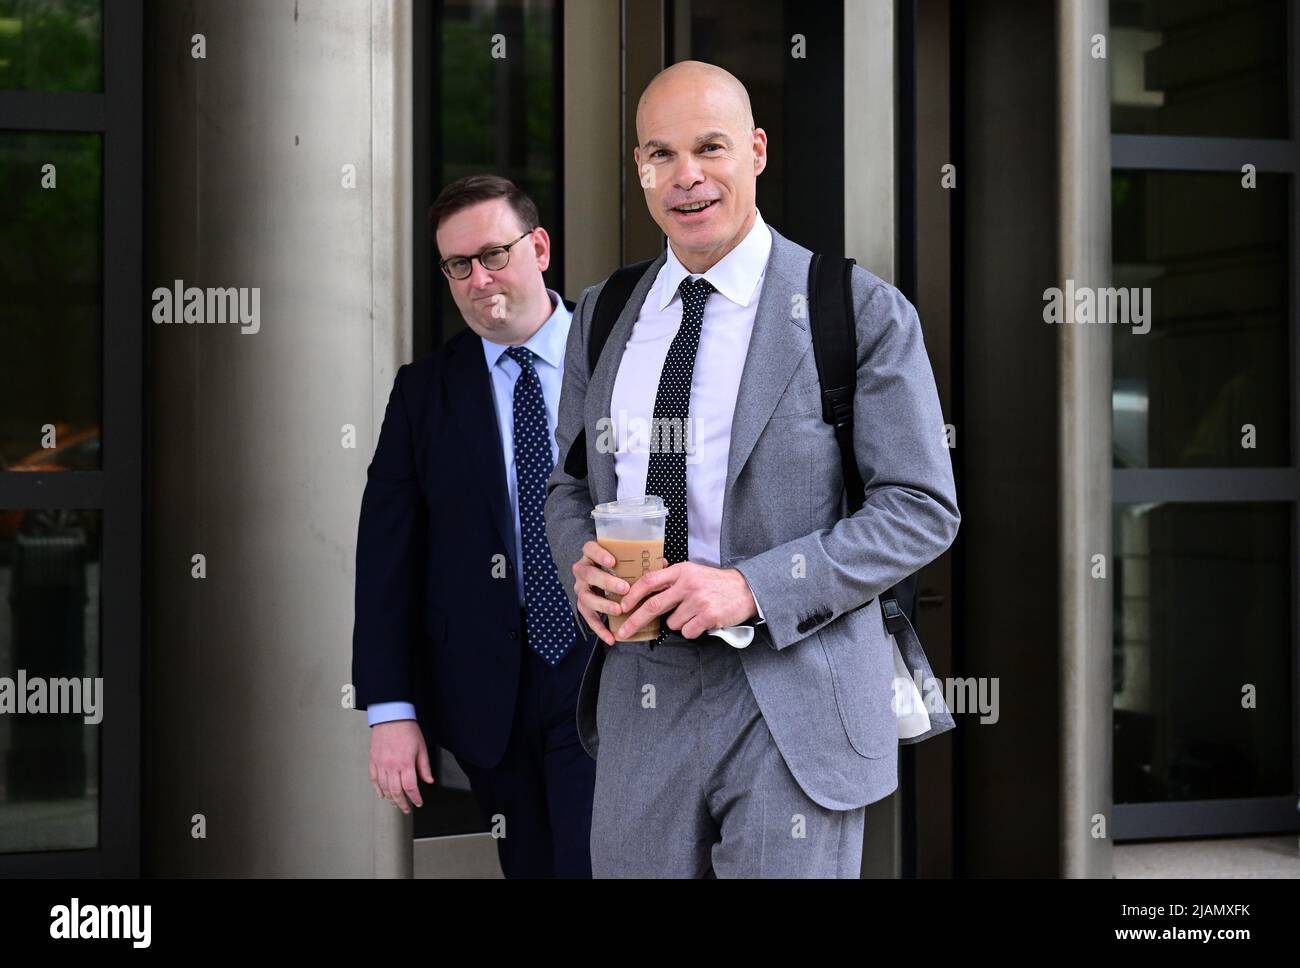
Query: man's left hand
698, 596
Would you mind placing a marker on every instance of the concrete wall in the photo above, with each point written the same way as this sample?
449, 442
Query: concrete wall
593, 149
245, 669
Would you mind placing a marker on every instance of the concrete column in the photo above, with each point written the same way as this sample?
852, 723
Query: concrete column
870, 137
251, 155
593, 148
643, 57
1084, 366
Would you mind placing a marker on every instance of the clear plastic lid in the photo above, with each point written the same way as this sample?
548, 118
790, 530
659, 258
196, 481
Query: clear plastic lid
649, 506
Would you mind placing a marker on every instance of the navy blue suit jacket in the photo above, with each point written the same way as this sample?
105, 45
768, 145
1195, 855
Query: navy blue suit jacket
433, 626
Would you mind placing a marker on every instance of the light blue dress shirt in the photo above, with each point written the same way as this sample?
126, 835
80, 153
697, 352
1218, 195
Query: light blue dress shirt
547, 345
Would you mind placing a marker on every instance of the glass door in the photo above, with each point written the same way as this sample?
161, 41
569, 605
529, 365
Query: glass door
1205, 157
71, 328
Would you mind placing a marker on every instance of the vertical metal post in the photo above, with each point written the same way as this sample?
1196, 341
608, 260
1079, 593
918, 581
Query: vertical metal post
1084, 456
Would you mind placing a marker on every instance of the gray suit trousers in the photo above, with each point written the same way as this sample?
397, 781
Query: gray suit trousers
689, 782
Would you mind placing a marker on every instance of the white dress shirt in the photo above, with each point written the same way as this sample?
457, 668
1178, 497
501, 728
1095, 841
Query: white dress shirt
547, 345
724, 343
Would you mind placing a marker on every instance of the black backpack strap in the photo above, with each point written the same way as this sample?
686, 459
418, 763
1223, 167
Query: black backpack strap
609, 306
835, 347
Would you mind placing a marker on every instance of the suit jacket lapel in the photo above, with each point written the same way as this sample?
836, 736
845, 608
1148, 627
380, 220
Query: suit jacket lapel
776, 347
600, 390
473, 413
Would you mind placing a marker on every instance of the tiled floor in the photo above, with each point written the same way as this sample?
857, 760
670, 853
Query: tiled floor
1277, 856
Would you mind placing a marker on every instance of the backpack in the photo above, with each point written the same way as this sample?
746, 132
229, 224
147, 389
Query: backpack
835, 340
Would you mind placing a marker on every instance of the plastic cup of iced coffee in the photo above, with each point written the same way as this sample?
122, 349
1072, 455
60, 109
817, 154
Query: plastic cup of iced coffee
632, 530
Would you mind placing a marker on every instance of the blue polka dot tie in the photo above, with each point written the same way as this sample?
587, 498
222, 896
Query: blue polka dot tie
546, 609
666, 475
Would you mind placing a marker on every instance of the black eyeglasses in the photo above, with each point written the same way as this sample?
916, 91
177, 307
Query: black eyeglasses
460, 266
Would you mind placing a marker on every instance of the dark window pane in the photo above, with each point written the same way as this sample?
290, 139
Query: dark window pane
1215, 256
1199, 67
50, 275
49, 647
498, 115
51, 45
1203, 601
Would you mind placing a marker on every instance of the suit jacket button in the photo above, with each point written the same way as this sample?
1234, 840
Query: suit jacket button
514, 634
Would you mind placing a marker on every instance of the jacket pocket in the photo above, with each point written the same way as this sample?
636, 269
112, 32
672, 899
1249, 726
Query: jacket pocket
800, 400
862, 673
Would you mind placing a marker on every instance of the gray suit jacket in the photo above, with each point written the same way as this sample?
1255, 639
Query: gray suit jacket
821, 667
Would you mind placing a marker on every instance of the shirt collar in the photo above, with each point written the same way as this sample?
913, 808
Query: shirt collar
548, 342
735, 275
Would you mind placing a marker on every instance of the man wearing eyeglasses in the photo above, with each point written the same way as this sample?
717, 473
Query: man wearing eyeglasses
463, 633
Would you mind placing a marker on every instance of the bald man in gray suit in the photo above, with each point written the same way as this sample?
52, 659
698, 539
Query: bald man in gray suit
713, 759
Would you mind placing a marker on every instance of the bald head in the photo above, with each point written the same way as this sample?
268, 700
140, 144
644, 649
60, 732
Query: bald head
688, 81
698, 156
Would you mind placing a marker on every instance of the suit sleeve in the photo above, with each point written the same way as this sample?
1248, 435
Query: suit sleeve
568, 497
910, 514
391, 545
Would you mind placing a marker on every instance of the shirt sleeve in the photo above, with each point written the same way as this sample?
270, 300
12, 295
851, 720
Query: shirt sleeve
387, 712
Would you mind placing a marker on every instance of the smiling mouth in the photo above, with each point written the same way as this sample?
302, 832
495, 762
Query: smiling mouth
692, 208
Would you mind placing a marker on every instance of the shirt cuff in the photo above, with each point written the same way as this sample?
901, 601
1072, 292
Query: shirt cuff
387, 712
761, 620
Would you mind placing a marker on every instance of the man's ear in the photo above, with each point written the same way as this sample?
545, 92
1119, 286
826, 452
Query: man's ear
760, 151
542, 248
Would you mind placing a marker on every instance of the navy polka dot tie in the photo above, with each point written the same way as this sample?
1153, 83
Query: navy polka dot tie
666, 475
546, 609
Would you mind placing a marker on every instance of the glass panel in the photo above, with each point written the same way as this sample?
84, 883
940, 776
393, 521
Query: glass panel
1203, 600
1199, 67
51, 45
1215, 259
500, 115
51, 696
50, 275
